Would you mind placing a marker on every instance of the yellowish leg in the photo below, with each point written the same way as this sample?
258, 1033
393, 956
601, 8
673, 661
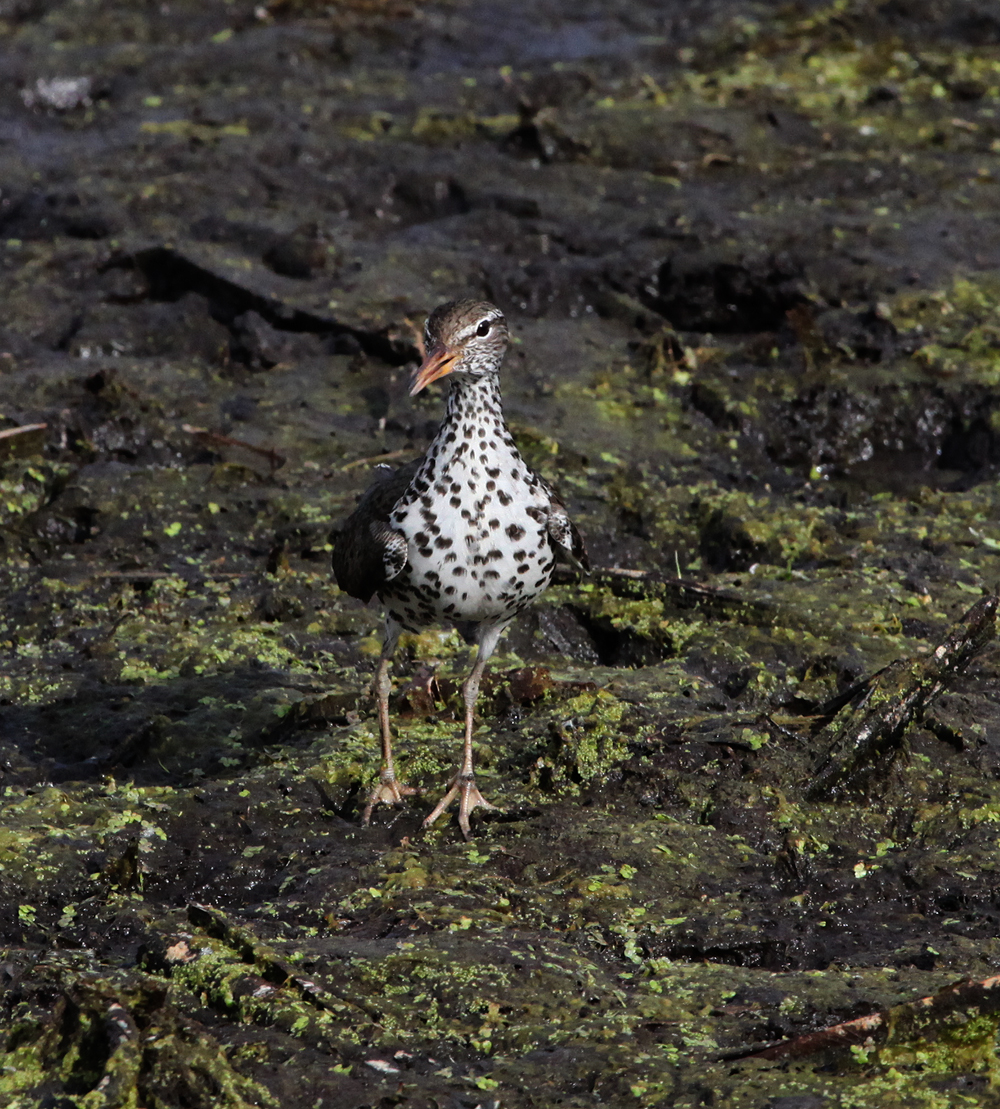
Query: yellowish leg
389, 790
463, 785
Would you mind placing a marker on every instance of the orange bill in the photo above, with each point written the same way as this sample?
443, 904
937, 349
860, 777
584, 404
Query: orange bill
439, 361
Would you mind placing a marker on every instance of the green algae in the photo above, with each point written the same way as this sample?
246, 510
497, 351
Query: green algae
658, 897
961, 323
459, 898
154, 1064
26, 485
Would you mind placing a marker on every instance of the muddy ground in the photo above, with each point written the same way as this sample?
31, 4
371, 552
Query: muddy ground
749, 254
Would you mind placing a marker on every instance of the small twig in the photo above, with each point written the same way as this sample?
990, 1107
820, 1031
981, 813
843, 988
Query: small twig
682, 592
388, 457
417, 331
24, 429
275, 460
272, 967
157, 575
947, 1010
21, 441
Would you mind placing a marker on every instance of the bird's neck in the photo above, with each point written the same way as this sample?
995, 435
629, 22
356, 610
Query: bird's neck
474, 398
473, 440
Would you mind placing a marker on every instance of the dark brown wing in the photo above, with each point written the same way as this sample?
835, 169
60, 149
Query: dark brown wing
367, 551
566, 539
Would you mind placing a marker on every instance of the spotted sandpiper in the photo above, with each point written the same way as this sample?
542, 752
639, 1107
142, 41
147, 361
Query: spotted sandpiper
466, 534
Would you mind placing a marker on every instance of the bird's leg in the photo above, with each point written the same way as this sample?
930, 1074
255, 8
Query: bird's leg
389, 790
463, 785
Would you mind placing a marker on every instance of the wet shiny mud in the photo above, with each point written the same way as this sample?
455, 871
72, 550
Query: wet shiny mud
749, 258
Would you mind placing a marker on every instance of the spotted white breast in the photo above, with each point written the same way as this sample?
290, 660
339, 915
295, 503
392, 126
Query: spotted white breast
475, 519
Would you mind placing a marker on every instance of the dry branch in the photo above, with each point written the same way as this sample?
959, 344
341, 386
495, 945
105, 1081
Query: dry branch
871, 734
928, 1018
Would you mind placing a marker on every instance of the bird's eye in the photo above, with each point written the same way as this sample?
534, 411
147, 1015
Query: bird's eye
484, 327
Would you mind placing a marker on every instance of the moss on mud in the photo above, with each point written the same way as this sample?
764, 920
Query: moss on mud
748, 270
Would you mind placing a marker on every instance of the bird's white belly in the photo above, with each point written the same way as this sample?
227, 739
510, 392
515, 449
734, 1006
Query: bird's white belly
475, 550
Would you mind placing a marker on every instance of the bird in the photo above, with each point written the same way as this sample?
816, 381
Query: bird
465, 534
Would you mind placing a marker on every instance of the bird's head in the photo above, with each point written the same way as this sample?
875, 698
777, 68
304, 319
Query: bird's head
462, 336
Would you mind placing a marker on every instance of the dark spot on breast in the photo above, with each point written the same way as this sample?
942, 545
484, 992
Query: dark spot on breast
504, 498
459, 571
495, 472
455, 502
515, 531
442, 543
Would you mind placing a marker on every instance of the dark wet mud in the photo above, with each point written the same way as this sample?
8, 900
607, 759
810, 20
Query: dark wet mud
749, 255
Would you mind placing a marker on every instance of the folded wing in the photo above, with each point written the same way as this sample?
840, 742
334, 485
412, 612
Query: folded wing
367, 550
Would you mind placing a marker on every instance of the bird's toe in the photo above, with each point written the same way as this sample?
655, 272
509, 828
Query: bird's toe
388, 791
469, 799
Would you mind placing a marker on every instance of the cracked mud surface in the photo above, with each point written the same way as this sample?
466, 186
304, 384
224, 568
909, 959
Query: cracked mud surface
749, 256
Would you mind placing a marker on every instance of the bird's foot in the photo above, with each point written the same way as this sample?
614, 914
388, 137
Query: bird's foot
389, 791
463, 786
